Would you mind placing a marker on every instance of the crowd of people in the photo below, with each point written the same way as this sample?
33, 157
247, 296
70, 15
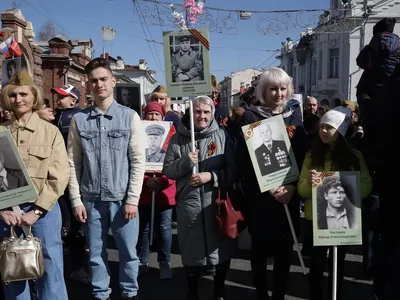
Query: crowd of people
89, 169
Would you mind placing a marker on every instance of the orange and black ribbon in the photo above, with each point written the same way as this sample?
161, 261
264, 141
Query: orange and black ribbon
200, 37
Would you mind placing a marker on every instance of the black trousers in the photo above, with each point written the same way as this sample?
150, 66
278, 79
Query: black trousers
193, 275
281, 250
317, 266
74, 240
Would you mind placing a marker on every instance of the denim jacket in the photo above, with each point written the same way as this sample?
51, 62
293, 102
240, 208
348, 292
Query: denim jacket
107, 155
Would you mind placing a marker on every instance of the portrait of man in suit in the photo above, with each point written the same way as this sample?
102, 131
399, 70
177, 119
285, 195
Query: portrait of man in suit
154, 153
335, 210
272, 155
10, 178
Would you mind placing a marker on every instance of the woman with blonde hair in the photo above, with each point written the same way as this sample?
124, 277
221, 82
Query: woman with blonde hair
160, 95
43, 152
267, 220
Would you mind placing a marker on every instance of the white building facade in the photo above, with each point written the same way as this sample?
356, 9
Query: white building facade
139, 74
323, 62
231, 86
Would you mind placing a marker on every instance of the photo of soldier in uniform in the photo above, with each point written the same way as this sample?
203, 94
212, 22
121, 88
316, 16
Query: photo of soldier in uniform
335, 208
272, 155
186, 59
157, 134
11, 175
10, 67
154, 153
187, 63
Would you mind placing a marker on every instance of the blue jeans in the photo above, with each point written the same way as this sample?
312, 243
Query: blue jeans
51, 285
101, 216
162, 230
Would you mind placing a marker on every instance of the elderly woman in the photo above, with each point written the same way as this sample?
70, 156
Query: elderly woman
268, 224
42, 149
202, 247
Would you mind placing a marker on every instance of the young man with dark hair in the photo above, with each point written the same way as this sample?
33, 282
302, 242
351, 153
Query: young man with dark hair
106, 149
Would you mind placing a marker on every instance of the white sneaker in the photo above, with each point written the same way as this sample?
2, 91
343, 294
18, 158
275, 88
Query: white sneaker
80, 275
165, 270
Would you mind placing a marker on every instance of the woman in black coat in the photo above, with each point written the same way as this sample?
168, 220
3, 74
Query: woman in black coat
268, 224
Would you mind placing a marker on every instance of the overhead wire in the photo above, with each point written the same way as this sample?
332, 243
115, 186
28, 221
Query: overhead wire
241, 10
157, 60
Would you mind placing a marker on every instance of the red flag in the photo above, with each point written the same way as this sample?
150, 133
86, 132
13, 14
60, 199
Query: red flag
15, 49
171, 132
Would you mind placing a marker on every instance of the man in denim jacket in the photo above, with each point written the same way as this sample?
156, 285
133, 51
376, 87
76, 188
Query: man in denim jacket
106, 149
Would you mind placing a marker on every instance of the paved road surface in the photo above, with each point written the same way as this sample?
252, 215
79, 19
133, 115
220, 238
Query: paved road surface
239, 285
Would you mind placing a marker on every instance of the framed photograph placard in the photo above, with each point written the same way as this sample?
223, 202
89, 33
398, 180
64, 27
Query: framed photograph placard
187, 62
271, 153
9, 68
157, 138
16, 186
336, 207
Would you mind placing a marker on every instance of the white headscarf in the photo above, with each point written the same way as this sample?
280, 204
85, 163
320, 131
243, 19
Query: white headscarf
339, 118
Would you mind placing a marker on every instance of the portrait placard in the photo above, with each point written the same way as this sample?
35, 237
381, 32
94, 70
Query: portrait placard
9, 67
336, 207
271, 153
16, 186
128, 94
187, 62
158, 134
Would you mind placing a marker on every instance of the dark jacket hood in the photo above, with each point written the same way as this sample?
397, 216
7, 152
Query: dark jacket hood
384, 25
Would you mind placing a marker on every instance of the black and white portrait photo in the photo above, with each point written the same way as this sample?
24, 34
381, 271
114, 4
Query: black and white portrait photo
186, 58
156, 133
272, 154
10, 67
154, 152
129, 96
11, 175
16, 187
337, 204
187, 62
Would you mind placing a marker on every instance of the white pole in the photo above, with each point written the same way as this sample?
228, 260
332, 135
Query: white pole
334, 274
192, 131
153, 204
296, 243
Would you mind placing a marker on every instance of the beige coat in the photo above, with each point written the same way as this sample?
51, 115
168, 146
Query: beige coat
43, 152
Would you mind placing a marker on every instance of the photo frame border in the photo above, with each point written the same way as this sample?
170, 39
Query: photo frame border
277, 178
336, 237
23, 194
187, 89
155, 167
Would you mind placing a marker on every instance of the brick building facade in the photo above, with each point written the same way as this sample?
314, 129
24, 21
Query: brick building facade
13, 23
63, 62
51, 63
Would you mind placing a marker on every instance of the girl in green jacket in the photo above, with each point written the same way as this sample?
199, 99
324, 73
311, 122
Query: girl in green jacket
330, 152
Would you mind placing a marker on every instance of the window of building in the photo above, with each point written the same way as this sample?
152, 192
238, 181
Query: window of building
314, 72
320, 65
333, 63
